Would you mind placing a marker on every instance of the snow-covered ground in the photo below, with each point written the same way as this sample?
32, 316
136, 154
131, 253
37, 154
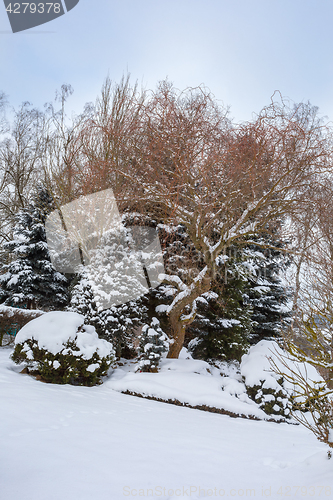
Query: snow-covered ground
80, 443
190, 381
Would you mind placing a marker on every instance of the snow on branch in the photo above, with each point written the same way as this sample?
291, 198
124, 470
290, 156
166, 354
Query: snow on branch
7, 311
172, 279
188, 290
189, 317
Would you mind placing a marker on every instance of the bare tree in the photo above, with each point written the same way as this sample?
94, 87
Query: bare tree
21, 153
3, 120
222, 182
108, 135
61, 148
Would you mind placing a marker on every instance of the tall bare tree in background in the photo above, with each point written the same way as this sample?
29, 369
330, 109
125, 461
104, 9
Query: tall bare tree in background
61, 148
36, 147
21, 154
107, 137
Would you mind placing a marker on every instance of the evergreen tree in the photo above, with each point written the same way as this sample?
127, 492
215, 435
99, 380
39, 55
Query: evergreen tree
30, 280
267, 295
153, 344
223, 325
83, 302
250, 302
122, 324
104, 291
117, 324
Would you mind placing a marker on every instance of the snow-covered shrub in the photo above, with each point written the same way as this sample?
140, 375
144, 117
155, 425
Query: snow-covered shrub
267, 388
308, 352
122, 324
82, 301
153, 344
118, 324
273, 377
60, 348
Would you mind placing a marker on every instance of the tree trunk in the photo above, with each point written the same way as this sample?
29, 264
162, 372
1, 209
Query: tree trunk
330, 371
178, 321
178, 336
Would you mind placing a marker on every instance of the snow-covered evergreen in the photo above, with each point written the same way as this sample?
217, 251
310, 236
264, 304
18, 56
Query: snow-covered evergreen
30, 280
82, 301
268, 296
222, 328
153, 344
117, 324
61, 349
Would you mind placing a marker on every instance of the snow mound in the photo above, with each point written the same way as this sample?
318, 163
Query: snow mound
185, 366
256, 366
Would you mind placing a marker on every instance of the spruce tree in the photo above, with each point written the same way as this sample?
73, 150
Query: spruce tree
82, 301
267, 295
250, 302
117, 324
223, 326
30, 280
153, 344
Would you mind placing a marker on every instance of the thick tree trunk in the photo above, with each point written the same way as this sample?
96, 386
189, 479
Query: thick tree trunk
179, 320
178, 335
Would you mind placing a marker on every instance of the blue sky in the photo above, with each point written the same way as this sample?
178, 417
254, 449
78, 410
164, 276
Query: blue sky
243, 50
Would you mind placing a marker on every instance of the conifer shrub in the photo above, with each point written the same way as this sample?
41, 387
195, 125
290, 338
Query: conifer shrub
269, 390
61, 349
153, 345
222, 327
117, 324
272, 400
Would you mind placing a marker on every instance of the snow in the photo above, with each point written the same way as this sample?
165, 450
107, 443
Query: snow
256, 366
162, 308
52, 330
13, 281
189, 381
93, 367
79, 443
229, 323
11, 311
186, 290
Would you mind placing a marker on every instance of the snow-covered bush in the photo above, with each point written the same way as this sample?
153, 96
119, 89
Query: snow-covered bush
267, 388
153, 344
269, 375
82, 301
60, 348
308, 352
118, 324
